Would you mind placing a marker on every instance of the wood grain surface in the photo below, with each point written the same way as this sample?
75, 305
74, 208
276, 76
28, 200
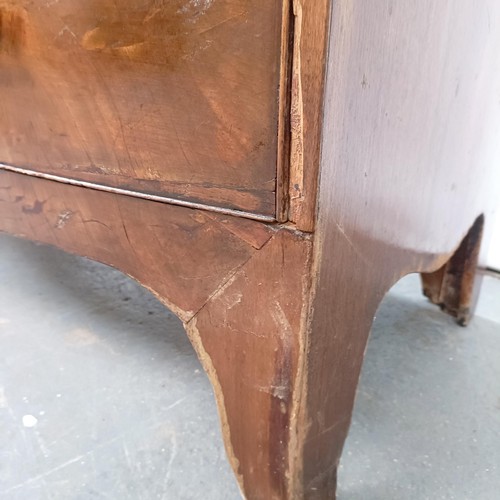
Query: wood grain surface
228, 279
410, 160
409, 176
182, 254
175, 98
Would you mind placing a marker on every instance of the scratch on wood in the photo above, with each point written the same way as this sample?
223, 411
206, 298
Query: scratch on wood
87, 221
228, 280
279, 316
233, 300
63, 219
352, 245
277, 391
124, 227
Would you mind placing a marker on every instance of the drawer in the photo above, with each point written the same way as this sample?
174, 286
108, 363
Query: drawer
173, 99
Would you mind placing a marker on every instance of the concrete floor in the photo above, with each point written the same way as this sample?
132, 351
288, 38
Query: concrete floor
102, 397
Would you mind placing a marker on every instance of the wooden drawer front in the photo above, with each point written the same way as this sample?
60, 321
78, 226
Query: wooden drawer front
175, 98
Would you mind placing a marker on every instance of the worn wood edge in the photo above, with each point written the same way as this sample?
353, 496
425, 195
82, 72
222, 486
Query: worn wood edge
206, 361
283, 170
298, 427
311, 25
296, 113
137, 194
453, 287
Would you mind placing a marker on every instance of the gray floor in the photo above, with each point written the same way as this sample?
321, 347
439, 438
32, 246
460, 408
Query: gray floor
102, 397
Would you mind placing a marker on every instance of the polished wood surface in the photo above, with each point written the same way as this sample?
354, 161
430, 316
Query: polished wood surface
410, 160
408, 114
176, 98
